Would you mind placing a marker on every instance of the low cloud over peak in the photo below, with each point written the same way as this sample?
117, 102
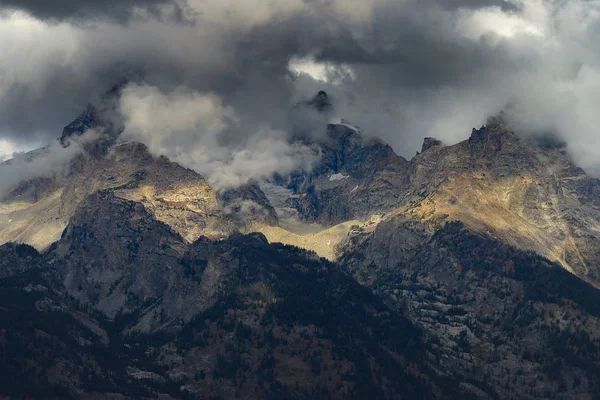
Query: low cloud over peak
401, 70
197, 130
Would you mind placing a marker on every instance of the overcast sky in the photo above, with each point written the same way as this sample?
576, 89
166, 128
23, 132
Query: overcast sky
212, 81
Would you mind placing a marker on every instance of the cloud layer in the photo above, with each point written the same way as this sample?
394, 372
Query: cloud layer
216, 79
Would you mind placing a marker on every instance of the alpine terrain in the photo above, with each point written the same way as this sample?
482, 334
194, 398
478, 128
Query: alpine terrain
469, 271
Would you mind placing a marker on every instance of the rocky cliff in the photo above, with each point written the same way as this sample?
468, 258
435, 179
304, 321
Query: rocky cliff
123, 307
507, 323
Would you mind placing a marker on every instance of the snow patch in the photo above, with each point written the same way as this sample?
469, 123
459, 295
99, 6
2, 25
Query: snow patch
354, 190
348, 125
338, 177
354, 128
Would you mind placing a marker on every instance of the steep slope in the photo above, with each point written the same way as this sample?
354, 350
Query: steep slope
36, 211
176, 195
115, 257
148, 290
507, 323
49, 348
523, 191
288, 326
356, 177
143, 314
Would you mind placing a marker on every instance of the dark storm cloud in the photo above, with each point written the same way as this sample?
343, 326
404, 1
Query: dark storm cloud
406, 44
505, 5
399, 69
63, 9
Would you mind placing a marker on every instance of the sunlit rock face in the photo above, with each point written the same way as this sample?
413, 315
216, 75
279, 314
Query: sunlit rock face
175, 195
515, 189
522, 190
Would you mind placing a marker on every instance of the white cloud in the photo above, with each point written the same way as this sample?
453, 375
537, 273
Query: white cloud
190, 128
315, 70
320, 71
51, 161
7, 149
532, 21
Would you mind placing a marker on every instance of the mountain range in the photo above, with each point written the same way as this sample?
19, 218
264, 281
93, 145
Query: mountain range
469, 271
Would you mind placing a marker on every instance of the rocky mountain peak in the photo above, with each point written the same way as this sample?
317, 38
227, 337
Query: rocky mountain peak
105, 234
103, 220
321, 102
430, 142
247, 202
493, 137
88, 119
101, 114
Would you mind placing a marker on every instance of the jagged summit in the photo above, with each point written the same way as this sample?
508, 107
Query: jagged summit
321, 102
430, 142
88, 119
494, 134
494, 180
98, 115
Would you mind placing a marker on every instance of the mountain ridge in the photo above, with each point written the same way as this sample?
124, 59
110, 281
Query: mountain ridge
523, 190
177, 303
465, 272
